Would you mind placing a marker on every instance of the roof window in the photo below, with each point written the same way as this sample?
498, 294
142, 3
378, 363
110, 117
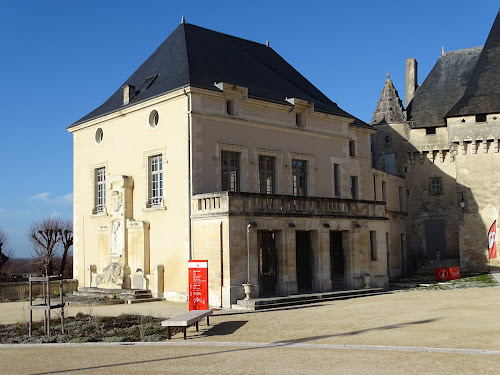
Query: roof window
147, 82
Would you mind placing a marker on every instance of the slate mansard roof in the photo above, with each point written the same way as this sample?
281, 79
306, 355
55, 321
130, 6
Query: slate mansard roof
443, 87
482, 94
198, 57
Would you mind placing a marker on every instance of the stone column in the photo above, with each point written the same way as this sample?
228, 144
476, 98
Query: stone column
322, 276
287, 270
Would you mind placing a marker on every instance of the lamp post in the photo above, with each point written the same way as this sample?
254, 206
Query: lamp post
247, 287
250, 225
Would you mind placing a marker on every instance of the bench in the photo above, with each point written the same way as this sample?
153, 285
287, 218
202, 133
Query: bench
186, 320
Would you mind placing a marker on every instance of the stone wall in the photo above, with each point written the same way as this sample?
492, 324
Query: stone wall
20, 290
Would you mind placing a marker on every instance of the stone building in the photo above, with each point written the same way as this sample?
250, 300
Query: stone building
445, 143
216, 148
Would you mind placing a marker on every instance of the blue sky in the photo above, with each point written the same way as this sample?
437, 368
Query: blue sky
61, 59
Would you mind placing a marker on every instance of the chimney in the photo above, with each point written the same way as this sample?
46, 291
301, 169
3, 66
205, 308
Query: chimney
411, 80
128, 93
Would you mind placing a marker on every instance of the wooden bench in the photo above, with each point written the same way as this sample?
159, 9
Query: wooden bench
186, 320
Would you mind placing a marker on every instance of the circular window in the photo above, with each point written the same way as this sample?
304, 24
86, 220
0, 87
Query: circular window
154, 118
98, 136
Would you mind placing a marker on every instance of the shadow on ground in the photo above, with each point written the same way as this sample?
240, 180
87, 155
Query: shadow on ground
225, 329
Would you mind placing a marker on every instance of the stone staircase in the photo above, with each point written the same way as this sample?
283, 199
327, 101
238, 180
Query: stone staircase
102, 295
302, 299
429, 266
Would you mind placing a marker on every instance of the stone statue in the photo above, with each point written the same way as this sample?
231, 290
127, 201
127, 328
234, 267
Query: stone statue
117, 238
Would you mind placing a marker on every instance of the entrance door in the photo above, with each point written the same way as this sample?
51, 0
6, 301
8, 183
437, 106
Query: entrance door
303, 261
267, 263
337, 260
435, 239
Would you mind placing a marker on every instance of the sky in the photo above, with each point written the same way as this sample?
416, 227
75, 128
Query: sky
60, 60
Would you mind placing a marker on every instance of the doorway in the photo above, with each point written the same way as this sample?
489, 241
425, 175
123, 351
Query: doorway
267, 263
435, 238
303, 261
337, 260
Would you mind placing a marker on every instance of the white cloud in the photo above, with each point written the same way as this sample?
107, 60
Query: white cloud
39, 197
48, 197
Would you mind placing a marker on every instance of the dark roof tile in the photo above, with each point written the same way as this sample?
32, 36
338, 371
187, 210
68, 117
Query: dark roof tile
482, 94
199, 57
442, 88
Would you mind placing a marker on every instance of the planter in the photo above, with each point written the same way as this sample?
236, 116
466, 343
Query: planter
367, 278
247, 288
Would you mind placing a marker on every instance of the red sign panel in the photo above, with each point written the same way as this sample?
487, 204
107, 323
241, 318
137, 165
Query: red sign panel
492, 244
198, 284
450, 273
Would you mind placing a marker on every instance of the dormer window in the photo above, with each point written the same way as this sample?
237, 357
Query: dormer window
147, 83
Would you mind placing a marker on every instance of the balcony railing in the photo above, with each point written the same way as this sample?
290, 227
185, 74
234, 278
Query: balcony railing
283, 205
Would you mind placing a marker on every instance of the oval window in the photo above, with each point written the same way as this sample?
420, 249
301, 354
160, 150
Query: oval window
98, 136
154, 119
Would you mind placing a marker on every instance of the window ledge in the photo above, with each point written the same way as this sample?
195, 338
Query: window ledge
154, 208
99, 214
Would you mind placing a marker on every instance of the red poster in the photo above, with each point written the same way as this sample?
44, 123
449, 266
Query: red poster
198, 284
492, 244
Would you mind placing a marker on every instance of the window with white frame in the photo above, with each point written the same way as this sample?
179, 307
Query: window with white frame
299, 171
100, 189
230, 171
155, 180
266, 174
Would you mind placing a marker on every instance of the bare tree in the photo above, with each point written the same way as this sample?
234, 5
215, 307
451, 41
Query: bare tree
45, 236
5, 252
66, 242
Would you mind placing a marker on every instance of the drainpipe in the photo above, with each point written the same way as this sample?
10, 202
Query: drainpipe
248, 252
190, 180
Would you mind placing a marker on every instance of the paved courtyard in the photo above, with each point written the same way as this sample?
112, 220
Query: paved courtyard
431, 332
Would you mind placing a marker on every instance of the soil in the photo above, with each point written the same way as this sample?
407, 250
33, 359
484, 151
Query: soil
87, 328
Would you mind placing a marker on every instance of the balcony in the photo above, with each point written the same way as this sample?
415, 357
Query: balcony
253, 204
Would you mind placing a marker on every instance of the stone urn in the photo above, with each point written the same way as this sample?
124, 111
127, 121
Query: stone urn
367, 278
438, 255
247, 288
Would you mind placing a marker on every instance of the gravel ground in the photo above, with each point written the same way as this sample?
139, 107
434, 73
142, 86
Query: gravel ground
452, 331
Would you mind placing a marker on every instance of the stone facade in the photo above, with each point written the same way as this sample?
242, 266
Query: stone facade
279, 194
447, 150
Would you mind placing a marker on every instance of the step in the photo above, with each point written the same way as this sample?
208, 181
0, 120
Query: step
302, 299
126, 295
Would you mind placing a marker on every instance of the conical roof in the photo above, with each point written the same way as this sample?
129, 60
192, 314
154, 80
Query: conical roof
194, 56
482, 94
389, 107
